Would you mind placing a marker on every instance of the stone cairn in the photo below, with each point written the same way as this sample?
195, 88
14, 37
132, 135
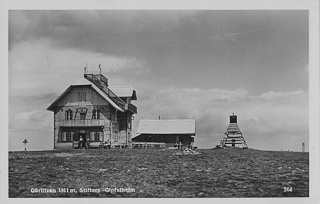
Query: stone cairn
187, 151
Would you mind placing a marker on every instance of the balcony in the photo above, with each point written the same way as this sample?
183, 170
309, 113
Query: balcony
82, 123
132, 108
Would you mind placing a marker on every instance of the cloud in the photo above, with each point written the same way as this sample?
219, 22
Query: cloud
276, 95
38, 67
173, 44
25, 115
91, 29
28, 113
231, 36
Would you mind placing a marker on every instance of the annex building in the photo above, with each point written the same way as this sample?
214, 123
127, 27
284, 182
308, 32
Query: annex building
169, 132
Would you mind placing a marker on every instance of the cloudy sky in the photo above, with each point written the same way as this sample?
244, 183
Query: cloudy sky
203, 65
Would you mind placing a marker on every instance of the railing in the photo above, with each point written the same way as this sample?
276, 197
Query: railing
131, 108
80, 123
148, 145
105, 89
102, 78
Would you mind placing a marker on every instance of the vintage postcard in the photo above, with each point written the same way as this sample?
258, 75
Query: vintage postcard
211, 101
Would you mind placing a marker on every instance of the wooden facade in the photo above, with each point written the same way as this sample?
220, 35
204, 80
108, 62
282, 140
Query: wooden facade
169, 132
170, 140
89, 109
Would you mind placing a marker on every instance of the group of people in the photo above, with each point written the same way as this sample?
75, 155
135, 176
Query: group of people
107, 144
87, 143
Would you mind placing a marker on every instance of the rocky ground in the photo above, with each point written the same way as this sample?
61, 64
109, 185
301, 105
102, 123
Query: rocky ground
158, 173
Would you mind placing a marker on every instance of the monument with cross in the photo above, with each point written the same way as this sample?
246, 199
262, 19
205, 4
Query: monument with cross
234, 137
25, 141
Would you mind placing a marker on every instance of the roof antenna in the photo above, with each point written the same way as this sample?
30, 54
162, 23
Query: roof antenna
100, 68
87, 67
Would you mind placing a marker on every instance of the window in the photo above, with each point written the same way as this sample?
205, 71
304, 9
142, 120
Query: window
95, 136
67, 136
96, 114
82, 116
69, 114
76, 137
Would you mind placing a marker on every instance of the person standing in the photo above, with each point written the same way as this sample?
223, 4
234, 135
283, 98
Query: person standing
88, 143
80, 142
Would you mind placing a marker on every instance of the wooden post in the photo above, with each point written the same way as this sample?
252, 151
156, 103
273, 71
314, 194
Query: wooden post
233, 143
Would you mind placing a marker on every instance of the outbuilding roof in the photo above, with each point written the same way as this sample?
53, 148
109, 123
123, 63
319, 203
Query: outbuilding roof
85, 82
182, 126
124, 91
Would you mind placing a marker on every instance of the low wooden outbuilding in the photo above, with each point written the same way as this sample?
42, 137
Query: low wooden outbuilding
170, 132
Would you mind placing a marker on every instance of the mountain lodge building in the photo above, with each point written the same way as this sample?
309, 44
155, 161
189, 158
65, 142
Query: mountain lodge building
93, 110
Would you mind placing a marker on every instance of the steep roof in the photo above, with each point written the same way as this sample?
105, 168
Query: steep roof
85, 82
124, 91
183, 126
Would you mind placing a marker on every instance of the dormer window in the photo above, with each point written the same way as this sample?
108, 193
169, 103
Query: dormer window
96, 114
69, 114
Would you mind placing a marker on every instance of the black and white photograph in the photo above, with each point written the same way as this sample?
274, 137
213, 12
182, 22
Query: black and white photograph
138, 101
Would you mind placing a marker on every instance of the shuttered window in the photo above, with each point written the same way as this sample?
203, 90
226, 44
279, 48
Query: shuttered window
96, 114
67, 136
69, 115
96, 136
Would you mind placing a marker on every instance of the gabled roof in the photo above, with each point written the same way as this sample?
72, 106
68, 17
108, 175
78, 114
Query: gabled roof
183, 126
85, 82
124, 91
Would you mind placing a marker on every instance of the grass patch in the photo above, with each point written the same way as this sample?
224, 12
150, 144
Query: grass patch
153, 173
